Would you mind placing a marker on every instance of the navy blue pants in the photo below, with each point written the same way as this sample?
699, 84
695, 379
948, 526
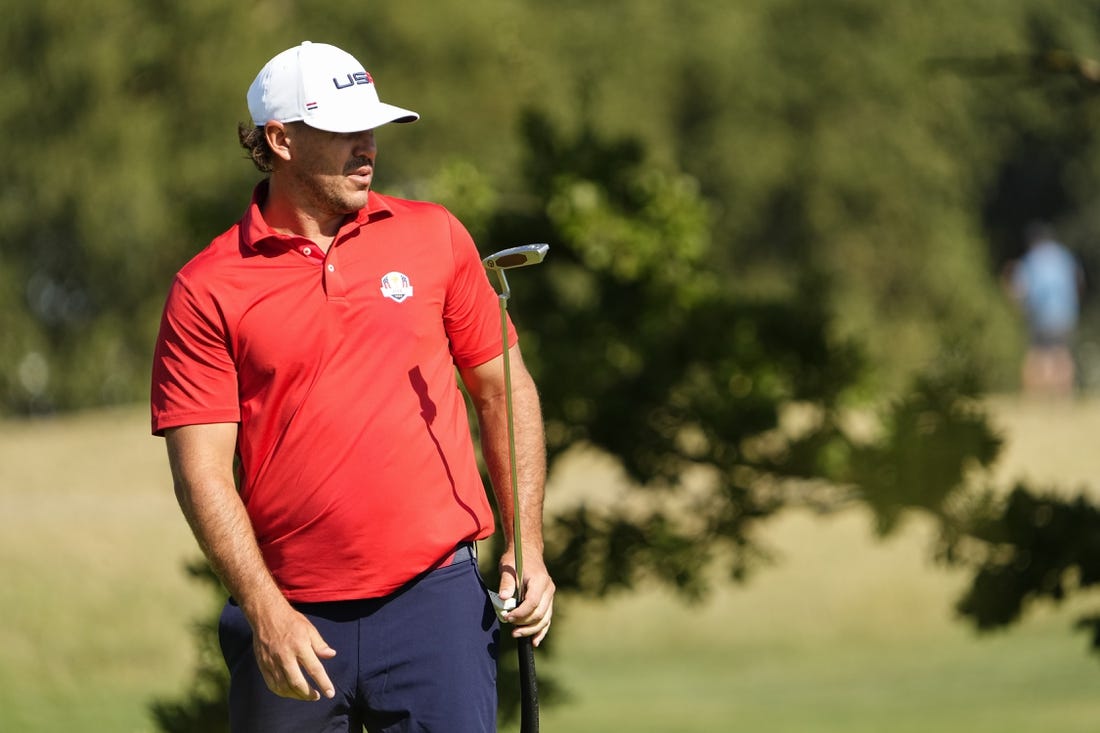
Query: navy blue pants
422, 659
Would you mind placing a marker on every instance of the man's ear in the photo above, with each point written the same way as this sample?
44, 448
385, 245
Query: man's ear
278, 139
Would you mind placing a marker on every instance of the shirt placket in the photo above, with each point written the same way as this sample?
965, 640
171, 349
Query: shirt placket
332, 278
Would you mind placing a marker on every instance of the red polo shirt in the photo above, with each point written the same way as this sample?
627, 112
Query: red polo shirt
356, 463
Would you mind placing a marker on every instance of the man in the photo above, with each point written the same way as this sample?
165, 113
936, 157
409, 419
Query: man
1048, 282
305, 382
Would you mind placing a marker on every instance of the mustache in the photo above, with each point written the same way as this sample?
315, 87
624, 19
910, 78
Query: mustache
358, 162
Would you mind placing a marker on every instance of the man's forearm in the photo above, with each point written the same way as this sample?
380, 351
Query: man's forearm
222, 528
488, 389
201, 459
530, 460
287, 646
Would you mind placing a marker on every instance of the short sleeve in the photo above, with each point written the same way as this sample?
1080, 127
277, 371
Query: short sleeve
471, 313
194, 377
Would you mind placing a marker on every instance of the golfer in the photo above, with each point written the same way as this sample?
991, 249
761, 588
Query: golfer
306, 381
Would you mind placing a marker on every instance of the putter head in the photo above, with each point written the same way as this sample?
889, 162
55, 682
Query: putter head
507, 259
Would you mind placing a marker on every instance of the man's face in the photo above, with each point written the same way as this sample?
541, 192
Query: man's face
330, 171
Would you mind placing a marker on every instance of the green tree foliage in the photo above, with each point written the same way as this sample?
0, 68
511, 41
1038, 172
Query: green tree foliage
1035, 547
931, 442
107, 104
823, 137
642, 351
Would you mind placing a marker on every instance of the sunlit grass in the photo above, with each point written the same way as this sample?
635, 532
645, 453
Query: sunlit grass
809, 646
94, 606
843, 633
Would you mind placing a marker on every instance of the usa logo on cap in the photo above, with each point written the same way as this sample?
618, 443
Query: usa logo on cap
396, 286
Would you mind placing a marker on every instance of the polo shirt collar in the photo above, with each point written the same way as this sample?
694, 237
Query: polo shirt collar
255, 231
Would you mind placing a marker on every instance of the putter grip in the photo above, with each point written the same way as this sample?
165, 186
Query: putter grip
528, 687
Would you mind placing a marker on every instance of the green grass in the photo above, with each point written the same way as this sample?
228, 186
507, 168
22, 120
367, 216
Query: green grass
94, 605
869, 648
843, 633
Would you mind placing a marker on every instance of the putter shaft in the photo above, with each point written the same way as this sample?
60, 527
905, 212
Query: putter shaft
517, 535
530, 254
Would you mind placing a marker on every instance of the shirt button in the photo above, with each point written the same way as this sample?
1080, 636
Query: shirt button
332, 268
307, 251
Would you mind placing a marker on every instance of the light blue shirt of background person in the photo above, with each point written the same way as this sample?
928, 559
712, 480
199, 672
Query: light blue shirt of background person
1046, 279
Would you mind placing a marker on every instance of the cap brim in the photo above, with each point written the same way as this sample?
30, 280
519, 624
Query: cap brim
378, 115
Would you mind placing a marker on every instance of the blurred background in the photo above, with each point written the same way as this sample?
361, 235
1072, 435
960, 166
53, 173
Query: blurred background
803, 441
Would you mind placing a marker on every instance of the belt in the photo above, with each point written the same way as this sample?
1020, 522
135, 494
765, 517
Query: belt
465, 551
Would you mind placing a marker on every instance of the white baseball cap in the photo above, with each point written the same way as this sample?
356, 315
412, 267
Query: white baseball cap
322, 86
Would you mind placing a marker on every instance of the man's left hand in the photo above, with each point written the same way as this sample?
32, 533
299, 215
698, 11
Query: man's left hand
532, 617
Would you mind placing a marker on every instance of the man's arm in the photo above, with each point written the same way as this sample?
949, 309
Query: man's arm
486, 386
285, 642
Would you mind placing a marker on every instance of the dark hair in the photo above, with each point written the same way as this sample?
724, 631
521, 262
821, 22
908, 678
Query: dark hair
1038, 232
254, 141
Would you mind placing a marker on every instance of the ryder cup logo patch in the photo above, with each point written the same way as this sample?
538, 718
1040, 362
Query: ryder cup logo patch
396, 287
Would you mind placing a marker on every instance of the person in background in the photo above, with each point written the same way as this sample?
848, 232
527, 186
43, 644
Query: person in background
306, 381
1048, 283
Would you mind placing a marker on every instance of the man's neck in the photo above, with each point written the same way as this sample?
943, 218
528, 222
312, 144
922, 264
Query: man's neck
286, 214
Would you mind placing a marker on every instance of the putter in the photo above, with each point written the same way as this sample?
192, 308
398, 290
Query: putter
509, 259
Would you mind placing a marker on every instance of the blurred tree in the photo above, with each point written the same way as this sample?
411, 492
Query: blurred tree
1034, 546
818, 137
643, 351
105, 105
